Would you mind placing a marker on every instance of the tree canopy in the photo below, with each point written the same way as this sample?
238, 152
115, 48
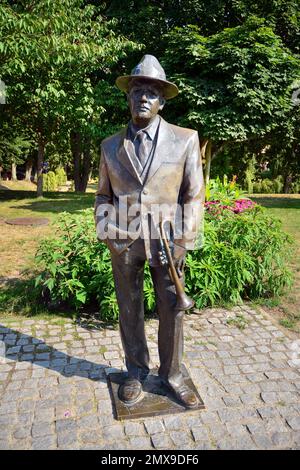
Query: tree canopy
235, 62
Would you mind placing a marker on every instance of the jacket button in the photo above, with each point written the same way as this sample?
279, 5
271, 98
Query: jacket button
145, 191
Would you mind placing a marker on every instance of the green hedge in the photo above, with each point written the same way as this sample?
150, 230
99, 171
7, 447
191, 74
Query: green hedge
49, 181
244, 257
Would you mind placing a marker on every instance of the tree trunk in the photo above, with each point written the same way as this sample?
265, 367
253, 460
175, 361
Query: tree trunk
76, 151
86, 166
287, 183
14, 172
81, 160
28, 169
40, 161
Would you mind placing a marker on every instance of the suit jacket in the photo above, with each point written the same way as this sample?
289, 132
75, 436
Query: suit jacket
174, 179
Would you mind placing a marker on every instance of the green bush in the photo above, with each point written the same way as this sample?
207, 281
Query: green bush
295, 186
49, 181
243, 257
268, 186
224, 191
61, 176
278, 184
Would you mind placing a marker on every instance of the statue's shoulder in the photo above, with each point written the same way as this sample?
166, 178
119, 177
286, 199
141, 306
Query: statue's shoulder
114, 140
182, 132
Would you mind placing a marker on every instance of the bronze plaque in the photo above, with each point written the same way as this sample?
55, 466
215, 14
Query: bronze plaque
156, 400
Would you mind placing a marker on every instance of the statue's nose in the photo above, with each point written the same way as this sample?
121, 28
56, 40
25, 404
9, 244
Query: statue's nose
144, 97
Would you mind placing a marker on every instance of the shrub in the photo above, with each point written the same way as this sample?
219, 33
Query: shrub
243, 257
225, 192
61, 176
49, 181
268, 186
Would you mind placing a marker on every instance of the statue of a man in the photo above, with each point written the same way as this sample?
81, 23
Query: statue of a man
148, 168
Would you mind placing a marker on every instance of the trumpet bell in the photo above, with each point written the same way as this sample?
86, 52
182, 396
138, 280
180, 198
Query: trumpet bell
184, 303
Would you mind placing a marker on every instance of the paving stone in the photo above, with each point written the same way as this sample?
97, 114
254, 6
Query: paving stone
274, 425
282, 439
88, 422
209, 417
232, 401
42, 429
161, 441
65, 425
180, 438
255, 398
90, 436
269, 397
22, 433
229, 370
245, 443
21, 444
113, 432
173, 422
249, 399
227, 415
256, 427
268, 412
154, 426
200, 433
142, 442
44, 443
4, 444
226, 444
263, 441
67, 440
134, 429
294, 423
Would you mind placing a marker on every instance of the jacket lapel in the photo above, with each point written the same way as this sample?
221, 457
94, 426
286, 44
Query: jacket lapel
164, 148
163, 153
128, 159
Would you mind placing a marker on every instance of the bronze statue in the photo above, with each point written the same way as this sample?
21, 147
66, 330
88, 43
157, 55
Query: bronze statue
149, 166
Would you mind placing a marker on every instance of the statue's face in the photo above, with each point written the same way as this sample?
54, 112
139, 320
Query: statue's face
145, 100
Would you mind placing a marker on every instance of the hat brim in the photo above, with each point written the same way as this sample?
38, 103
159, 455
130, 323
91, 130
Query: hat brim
170, 90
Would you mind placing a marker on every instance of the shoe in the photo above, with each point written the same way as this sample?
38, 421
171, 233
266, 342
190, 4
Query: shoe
184, 395
130, 391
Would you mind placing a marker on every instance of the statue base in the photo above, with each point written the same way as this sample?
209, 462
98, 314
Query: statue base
156, 400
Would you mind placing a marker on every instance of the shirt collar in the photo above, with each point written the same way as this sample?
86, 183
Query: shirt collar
149, 130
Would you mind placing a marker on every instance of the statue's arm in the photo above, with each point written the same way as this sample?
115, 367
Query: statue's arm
192, 194
104, 196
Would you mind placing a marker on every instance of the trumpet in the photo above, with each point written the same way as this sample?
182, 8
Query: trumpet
183, 302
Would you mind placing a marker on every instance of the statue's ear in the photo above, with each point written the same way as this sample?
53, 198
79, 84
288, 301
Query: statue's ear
162, 103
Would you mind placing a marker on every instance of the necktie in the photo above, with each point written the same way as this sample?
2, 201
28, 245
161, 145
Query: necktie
142, 151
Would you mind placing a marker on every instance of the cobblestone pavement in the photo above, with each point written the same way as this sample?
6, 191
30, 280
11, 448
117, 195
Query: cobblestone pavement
53, 390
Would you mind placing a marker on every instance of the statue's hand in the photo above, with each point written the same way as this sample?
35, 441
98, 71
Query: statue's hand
179, 254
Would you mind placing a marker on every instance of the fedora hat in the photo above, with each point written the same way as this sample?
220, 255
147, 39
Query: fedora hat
149, 69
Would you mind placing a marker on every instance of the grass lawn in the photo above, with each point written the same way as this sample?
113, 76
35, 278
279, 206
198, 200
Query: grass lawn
18, 244
287, 208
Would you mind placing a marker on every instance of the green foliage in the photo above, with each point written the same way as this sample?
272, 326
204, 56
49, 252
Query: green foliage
224, 191
250, 175
244, 257
61, 176
268, 186
236, 84
52, 55
50, 182
77, 266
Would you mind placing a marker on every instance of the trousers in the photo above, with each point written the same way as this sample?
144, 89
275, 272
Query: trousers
128, 272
